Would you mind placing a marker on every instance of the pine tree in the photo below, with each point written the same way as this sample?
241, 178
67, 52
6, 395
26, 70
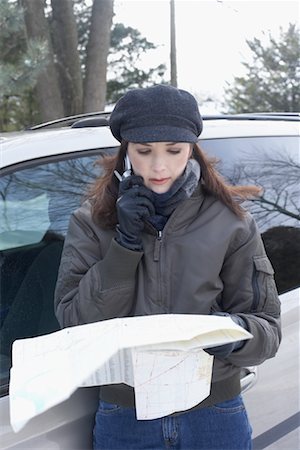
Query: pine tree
272, 81
20, 65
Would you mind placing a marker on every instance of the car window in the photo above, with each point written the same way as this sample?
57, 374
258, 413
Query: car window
35, 206
271, 162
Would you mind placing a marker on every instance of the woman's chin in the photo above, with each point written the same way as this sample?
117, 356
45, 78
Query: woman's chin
159, 189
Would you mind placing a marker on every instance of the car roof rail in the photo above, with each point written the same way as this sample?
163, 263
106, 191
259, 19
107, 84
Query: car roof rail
283, 114
100, 119
288, 117
71, 120
90, 122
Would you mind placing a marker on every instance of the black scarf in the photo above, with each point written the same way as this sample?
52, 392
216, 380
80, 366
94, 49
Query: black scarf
181, 189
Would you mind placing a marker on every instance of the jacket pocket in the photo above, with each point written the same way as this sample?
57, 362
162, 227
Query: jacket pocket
265, 296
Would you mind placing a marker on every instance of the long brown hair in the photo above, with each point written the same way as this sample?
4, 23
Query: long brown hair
103, 193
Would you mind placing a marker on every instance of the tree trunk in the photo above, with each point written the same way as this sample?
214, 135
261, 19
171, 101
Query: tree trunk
97, 52
47, 89
173, 60
65, 42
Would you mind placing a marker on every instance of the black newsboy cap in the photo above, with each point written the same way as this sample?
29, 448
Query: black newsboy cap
159, 113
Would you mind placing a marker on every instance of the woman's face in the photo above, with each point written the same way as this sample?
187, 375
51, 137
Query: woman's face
159, 163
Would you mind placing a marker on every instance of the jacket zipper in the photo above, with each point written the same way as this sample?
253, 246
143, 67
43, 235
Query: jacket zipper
156, 257
157, 246
256, 293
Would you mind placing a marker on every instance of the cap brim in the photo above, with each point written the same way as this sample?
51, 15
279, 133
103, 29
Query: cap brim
159, 134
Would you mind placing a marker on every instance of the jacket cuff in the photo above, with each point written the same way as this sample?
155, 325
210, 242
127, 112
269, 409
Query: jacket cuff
119, 265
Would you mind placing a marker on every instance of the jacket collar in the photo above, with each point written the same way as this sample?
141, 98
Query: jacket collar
183, 215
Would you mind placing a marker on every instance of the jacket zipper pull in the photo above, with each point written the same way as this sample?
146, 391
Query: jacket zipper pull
157, 246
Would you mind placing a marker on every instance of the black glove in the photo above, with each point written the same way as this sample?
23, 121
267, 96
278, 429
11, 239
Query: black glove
134, 205
223, 351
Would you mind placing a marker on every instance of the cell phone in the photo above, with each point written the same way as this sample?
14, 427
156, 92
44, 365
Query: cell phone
127, 166
127, 171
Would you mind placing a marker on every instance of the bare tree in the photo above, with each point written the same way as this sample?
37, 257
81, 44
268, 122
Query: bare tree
47, 88
279, 175
65, 38
97, 52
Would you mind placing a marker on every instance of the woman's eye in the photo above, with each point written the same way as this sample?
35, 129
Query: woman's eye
143, 151
174, 151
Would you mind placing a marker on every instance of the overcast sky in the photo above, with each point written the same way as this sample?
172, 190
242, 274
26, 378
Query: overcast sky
210, 35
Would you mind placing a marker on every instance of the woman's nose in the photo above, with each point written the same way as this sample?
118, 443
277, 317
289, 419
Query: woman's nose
158, 164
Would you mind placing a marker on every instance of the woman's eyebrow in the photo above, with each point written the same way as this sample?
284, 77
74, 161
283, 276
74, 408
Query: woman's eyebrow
143, 143
150, 144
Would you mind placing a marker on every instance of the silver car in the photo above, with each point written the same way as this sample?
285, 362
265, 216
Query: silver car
44, 173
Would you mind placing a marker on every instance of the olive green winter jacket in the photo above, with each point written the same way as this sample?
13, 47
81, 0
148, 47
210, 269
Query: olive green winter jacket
205, 260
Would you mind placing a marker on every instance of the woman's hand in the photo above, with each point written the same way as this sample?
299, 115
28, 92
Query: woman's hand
223, 351
134, 205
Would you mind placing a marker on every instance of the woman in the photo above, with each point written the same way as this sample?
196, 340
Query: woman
169, 236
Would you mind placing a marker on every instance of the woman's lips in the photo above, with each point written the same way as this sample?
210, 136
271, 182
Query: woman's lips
159, 180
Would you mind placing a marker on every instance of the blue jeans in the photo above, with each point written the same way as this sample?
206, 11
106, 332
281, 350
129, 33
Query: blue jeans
224, 426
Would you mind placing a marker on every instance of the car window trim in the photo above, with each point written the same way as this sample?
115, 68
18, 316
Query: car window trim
246, 136
28, 164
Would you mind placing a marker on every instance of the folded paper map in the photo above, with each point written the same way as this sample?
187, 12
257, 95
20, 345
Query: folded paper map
160, 356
